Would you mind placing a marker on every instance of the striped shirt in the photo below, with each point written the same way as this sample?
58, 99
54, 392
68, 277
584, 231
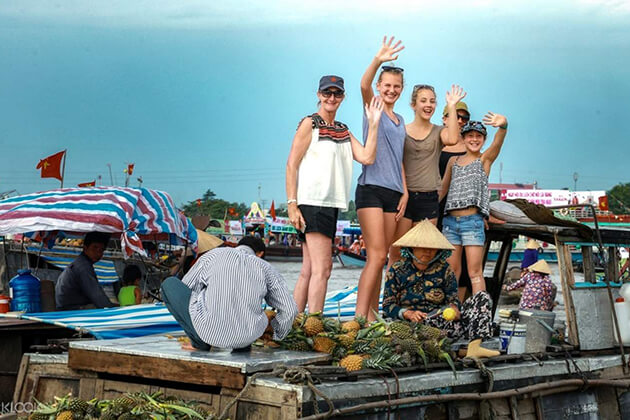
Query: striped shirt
228, 287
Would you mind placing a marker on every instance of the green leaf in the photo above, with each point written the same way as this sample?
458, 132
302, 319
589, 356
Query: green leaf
184, 410
447, 358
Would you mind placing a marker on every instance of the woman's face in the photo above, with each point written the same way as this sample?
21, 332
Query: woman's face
330, 98
473, 140
390, 87
425, 104
425, 255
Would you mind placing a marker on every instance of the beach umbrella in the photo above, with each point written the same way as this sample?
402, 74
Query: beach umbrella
133, 213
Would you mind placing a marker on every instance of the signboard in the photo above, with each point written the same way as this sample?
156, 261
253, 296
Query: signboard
554, 197
236, 228
280, 225
341, 225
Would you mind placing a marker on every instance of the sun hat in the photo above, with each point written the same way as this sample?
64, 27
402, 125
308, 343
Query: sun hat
474, 126
461, 106
532, 244
331, 81
206, 241
540, 266
424, 235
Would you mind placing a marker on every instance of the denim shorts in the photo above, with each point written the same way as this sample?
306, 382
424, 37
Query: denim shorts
464, 230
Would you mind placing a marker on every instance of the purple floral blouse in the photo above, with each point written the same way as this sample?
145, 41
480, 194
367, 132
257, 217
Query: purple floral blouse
539, 292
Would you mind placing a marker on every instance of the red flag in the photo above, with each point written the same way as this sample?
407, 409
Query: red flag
51, 166
87, 184
272, 210
199, 202
130, 168
603, 203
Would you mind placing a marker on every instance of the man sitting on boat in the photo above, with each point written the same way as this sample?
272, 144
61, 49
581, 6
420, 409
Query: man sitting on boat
219, 302
77, 286
421, 287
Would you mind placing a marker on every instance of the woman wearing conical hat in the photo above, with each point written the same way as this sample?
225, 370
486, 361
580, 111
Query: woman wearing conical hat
530, 255
422, 284
539, 291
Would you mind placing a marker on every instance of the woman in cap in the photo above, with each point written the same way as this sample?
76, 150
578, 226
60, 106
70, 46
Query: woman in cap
468, 201
423, 143
530, 255
318, 180
539, 291
381, 194
421, 285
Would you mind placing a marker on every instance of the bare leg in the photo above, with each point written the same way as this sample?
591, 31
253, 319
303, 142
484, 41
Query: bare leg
402, 227
390, 228
455, 261
373, 229
320, 255
474, 255
300, 293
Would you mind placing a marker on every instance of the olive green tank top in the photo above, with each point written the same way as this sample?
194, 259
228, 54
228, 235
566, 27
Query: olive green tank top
127, 295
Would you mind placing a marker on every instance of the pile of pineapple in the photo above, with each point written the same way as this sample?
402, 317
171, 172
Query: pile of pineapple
355, 345
138, 406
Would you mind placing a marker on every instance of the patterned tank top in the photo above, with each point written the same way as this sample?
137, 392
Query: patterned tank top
469, 188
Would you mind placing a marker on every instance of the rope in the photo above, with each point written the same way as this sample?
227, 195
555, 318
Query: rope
485, 372
579, 371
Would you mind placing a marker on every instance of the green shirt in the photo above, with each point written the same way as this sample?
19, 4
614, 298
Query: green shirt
127, 295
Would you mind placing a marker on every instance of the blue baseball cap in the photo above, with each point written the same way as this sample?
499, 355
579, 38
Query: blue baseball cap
331, 81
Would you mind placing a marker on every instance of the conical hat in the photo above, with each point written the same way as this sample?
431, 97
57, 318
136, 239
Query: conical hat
541, 266
206, 242
424, 235
532, 244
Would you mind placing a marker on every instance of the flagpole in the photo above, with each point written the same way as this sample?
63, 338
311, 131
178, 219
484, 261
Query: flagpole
63, 168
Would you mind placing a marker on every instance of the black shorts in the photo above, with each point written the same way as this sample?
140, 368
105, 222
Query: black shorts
422, 205
319, 220
375, 196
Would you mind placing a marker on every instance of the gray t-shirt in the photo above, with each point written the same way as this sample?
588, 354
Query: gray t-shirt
386, 171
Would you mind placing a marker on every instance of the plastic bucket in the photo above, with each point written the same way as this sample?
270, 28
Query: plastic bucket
513, 337
623, 319
539, 328
4, 304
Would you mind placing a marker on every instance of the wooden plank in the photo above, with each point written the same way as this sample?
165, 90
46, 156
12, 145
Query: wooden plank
565, 265
156, 368
613, 264
19, 384
587, 263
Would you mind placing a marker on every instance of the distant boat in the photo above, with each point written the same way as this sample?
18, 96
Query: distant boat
347, 258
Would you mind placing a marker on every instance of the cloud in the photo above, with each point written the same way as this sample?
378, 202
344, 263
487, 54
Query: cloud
194, 14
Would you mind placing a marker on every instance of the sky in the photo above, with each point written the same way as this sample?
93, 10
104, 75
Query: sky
207, 95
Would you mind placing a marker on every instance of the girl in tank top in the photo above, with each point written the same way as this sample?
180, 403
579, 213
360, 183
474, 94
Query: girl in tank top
423, 144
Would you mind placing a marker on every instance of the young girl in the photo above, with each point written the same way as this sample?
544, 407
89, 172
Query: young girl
468, 201
318, 180
381, 194
423, 143
130, 293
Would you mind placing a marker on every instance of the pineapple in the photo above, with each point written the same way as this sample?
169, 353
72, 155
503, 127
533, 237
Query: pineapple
299, 345
313, 326
39, 416
349, 326
361, 320
346, 340
323, 344
78, 406
352, 362
426, 332
409, 345
331, 325
432, 350
64, 415
298, 322
401, 330
127, 416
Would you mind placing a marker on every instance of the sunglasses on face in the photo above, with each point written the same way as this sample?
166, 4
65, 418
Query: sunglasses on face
421, 87
327, 92
462, 117
393, 69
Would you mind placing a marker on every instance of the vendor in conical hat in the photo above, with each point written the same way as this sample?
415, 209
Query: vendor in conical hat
422, 285
539, 291
530, 255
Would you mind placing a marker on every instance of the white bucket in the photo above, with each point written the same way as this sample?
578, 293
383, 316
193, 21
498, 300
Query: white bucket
623, 319
513, 337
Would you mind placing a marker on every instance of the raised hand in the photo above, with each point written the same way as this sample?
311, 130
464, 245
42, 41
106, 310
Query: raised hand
455, 95
495, 120
389, 52
374, 110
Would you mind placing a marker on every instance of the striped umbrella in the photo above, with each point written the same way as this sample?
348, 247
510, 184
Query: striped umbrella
130, 212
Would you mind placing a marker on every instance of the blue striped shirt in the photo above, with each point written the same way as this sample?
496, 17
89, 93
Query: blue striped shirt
228, 287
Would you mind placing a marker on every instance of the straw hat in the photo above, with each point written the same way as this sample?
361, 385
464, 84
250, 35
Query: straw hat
206, 242
424, 235
532, 244
541, 266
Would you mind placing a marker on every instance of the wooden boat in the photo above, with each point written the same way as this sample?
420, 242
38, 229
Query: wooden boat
351, 259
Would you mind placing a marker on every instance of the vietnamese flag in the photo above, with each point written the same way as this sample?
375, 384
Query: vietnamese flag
87, 184
130, 168
272, 210
603, 203
51, 166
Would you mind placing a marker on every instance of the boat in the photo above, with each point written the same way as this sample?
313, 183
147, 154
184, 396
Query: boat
351, 259
584, 376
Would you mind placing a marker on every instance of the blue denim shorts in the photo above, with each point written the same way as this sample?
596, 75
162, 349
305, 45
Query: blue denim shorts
464, 230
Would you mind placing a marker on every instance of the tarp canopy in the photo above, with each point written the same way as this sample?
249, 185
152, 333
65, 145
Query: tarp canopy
130, 212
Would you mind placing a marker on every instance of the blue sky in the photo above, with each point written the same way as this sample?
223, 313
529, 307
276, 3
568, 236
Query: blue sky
201, 95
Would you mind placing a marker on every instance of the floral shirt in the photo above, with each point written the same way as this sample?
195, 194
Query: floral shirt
408, 288
539, 292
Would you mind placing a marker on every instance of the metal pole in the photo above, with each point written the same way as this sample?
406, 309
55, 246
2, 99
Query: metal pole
111, 177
